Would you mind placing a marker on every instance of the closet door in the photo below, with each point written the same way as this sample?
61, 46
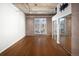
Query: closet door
65, 32
62, 31
68, 32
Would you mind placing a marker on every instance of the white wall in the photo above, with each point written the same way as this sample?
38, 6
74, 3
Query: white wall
12, 25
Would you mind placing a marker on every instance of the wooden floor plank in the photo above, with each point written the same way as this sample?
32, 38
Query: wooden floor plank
35, 46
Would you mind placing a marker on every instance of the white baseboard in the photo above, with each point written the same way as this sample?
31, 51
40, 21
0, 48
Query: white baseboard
12, 44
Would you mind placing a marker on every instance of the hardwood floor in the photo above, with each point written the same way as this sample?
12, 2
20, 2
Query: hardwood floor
35, 46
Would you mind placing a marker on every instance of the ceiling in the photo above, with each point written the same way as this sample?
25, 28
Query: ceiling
37, 8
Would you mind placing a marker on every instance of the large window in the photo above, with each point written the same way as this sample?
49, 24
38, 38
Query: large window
40, 26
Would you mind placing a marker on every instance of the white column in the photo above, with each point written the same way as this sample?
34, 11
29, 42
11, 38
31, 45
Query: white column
58, 36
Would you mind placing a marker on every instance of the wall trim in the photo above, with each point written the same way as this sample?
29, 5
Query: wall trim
12, 44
